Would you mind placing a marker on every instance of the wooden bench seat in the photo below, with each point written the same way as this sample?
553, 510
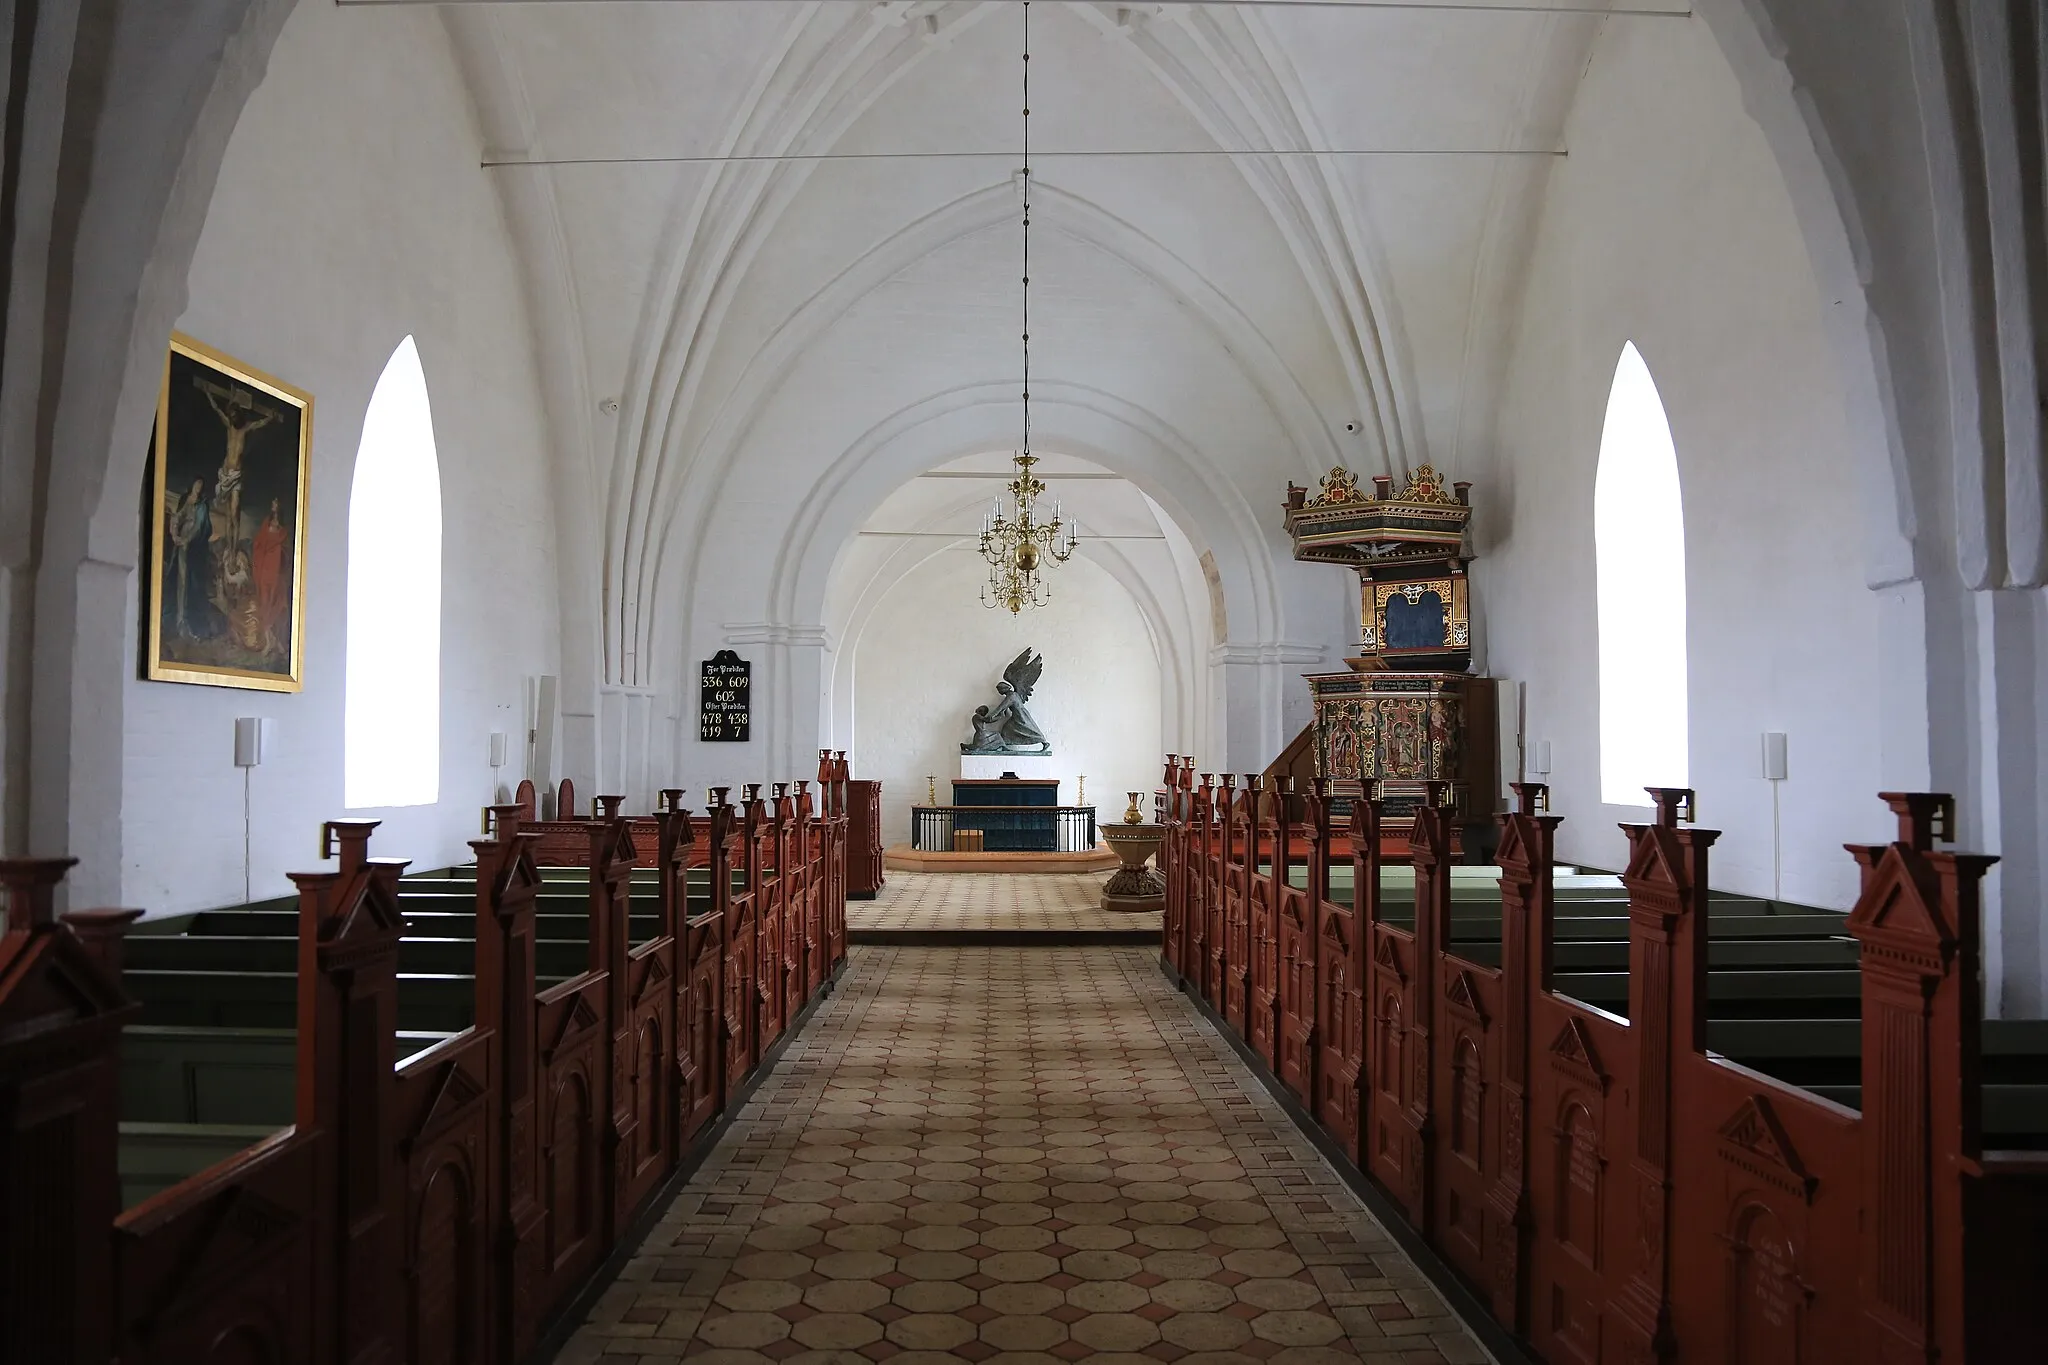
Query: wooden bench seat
555, 957
555, 920
1611, 954
152, 1157
427, 1002
2014, 1116
1478, 900
1736, 993
181, 1074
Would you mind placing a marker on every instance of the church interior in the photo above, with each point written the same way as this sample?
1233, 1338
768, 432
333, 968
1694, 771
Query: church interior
917, 680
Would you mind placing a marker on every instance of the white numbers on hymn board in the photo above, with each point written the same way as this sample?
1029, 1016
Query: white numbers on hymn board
724, 710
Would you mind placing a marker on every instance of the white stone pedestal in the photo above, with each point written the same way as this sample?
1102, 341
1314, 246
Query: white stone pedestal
1033, 767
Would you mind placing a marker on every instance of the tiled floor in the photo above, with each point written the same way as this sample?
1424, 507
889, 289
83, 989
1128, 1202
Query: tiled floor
1016, 1154
1039, 902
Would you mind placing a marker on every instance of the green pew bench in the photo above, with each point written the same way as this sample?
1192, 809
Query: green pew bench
152, 1157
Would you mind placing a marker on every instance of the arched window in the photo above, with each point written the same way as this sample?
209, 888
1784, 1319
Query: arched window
392, 726
1639, 554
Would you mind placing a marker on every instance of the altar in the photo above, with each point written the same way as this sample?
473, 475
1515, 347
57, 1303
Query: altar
1004, 811
1009, 814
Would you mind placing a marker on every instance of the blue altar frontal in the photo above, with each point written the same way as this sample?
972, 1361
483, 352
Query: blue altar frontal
1012, 814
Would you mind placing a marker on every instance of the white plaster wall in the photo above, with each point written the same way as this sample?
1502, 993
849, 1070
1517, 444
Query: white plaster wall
931, 653
1670, 226
351, 211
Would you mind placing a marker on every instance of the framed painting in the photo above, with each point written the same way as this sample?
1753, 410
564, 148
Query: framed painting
227, 516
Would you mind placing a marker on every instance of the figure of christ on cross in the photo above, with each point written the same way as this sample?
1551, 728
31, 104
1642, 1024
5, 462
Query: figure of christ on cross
234, 587
239, 414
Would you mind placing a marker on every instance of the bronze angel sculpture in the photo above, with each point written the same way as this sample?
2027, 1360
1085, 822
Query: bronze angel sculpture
1006, 727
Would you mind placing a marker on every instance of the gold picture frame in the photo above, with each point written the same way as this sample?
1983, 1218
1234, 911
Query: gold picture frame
230, 461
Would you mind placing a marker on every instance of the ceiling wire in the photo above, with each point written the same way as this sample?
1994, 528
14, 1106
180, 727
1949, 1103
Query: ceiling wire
1521, 7
501, 162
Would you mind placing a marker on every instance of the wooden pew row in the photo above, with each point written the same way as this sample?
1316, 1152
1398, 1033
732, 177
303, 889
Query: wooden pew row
177, 975
230, 983
436, 1209
1769, 962
1773, 966
1620, 1188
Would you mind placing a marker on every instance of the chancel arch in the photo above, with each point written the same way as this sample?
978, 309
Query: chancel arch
1249, 672
1137, 580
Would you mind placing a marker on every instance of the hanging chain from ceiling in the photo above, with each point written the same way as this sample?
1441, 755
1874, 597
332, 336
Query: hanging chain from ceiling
1016, 543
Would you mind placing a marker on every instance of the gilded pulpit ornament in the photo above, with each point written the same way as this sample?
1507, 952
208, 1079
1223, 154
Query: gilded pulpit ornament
1006, 727
1339, 486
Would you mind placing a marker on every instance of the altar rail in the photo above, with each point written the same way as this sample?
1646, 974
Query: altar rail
445, 1208
1006, 829
1609, 1187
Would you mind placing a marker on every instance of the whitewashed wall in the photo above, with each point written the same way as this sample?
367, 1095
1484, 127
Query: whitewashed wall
1670, 226
931, 653
351, 211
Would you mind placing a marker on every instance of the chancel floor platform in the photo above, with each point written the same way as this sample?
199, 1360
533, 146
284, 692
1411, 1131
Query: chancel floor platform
912, 906
1016, 1154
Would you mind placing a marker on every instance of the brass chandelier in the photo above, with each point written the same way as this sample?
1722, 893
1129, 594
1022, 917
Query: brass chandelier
1015, 542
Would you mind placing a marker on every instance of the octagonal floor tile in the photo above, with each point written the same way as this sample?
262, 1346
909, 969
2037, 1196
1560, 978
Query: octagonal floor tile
1028, 1155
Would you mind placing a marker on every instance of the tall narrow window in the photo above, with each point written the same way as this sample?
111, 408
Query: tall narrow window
1639, 553
392, 727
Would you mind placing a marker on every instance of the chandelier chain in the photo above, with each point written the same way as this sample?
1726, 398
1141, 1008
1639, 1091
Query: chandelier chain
1027, 227
1014, 541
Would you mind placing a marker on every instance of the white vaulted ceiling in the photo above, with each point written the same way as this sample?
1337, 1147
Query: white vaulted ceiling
721, 336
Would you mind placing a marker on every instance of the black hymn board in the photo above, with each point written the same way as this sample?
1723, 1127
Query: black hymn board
725, 699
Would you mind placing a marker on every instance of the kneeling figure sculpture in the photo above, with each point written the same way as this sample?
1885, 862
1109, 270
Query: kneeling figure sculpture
1006, 727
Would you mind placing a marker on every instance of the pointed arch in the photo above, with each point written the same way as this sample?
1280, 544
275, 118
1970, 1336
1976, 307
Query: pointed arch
391, 746
1639, 561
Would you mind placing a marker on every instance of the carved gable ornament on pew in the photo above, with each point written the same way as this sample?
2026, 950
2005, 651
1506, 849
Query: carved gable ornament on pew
1463, 995
519, 879
1898, 916
455, 1090
1386, 955
623, 852
656, 973
1753, 1140
48, 982
1656, 863
1573, 1053
579, 1019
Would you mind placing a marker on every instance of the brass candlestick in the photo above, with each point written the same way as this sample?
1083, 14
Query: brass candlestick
931, 790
